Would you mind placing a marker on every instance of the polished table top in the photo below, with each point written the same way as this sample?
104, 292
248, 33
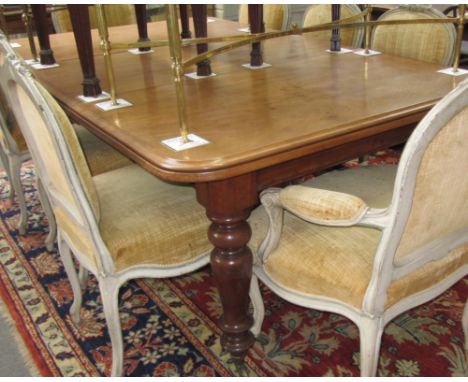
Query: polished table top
251, 118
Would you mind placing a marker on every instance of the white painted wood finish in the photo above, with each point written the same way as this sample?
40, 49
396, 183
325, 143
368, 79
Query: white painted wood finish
13, 157
372, 317
19, 77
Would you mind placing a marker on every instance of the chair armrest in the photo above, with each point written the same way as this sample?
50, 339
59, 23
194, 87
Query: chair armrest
322, 206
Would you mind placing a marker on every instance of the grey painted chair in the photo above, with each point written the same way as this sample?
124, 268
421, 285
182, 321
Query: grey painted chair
14, 151
119, 225
372, 243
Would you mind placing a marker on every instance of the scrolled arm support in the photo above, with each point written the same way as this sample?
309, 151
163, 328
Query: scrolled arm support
271, 201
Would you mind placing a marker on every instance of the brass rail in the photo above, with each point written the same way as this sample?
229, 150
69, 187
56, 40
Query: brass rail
175, 45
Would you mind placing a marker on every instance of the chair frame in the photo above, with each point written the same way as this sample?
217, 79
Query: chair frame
104, 270
372, 317
13, 158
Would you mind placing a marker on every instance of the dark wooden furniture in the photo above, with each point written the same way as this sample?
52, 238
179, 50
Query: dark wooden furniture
309, 111
79, 16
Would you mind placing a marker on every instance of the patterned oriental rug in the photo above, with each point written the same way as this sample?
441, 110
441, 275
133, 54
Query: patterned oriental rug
170, 326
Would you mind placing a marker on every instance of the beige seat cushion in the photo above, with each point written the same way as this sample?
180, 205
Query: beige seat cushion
100, 156
147, 221
373, 184
337, 262
319, 260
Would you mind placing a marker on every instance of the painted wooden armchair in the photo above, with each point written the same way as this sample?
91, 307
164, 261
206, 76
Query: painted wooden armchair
100, 156
321, 13
434, 43
371, 243
119, 225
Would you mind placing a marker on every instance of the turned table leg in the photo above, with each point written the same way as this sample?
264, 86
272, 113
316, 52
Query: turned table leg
42, 29
79, 16
256, 26
200, 21
335, 41
140, 12
228, 204
184, 21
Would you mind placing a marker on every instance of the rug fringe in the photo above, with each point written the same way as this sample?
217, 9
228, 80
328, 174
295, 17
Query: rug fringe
22, 348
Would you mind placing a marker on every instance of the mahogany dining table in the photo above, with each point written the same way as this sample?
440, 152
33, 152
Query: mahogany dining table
309, 111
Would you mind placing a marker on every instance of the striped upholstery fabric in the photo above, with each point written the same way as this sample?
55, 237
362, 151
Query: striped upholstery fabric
321, 14
275, 16
116, 14
433, 43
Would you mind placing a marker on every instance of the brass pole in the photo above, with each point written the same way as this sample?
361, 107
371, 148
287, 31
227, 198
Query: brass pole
26, 17
106, 48
461, 19
177, 68
368, 29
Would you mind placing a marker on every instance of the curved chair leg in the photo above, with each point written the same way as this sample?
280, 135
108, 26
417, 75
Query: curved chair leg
15, 179
6, 164
65, 255
83, 274
258, 307
109, 288
49, 242
465, 325
370, 335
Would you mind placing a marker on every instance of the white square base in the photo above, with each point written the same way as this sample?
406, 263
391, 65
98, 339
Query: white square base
263, 66
362, 52
137, 51
15, 45
195, 76
90, 99
209, 20
108, 105
450, 72
38, 66
341, 51
245, 30
177, 144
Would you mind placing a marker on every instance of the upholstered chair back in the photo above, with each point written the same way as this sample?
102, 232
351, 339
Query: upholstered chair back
439, 208
116, 14
321, 14
429, 210
60, 164
432, 43
275, 16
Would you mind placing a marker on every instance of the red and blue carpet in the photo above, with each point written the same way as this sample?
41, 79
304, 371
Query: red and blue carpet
170, 326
